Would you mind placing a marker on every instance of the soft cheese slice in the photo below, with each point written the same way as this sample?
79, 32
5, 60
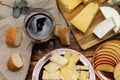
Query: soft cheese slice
111, 12
104, 27
83, 20
69, 5
52, 67
51, 76
58, 59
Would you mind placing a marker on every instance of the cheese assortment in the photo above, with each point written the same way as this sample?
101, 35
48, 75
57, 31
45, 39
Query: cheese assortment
104, 27
69, 5
111, 12
68, 70
83, 20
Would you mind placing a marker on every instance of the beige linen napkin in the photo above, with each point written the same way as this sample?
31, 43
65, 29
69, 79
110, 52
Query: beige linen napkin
25, 49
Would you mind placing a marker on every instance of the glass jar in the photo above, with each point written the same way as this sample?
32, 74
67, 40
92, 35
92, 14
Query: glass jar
39, 25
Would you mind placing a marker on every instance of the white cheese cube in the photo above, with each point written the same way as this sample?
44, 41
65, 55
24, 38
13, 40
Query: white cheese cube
104, 27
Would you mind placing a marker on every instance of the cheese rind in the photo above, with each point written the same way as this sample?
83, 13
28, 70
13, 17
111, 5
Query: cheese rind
83, 20
111, 12
103, 28
69, 5
52, 67
58, 59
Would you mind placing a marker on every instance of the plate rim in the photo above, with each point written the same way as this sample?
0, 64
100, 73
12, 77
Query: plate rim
41, 62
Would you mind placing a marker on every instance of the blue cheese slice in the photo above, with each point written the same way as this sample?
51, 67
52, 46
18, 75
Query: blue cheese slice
104, 27
111, 12
114, 2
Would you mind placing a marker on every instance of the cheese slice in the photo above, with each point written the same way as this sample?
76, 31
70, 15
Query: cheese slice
51, 76
104, 27
82, 68
83, 20
58, 59
84, 75
68, 55
111, 12
85, 2
69, 5
52, 67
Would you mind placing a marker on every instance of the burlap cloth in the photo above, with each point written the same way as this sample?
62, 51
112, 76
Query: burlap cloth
25, 49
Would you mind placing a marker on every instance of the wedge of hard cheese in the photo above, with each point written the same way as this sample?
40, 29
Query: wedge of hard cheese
69, 5
83, 20
15, 62
13, 37
111, 12
104, 27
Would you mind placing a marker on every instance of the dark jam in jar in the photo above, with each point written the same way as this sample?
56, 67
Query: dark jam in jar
39, 26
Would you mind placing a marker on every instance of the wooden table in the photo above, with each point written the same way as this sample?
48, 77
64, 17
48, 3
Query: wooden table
39, 51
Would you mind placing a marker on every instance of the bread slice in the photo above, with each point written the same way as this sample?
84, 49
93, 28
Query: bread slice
64, 35
15, 62
13, 37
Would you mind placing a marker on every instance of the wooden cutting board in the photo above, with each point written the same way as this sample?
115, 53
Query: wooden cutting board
87, 40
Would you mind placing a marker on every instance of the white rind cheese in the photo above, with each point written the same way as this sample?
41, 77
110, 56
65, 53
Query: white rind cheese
111, 12
104, 27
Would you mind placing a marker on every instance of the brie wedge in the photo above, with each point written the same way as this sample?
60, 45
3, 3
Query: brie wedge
111, 12
104, 27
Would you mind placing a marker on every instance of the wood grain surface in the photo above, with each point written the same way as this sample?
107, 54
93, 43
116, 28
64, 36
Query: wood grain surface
39, 51
87, 40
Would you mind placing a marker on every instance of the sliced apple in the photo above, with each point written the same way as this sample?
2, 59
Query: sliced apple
104, 67
117, 71
105, 57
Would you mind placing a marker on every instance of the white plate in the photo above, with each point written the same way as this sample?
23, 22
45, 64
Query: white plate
42, 61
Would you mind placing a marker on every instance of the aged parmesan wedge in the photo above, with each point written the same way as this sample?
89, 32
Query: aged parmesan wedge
83, 20
111, 12
51, 76
15, 62
52, 67
58, 59
104, 27
69, 5
13, 37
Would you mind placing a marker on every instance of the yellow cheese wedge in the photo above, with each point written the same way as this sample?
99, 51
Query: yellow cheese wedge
83, 20
69, 5
52, 67
51, 76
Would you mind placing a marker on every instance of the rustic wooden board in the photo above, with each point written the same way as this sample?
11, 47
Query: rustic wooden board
87, 40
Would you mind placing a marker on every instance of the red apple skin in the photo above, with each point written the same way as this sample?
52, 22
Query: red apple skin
105, 58
110, 51
103, 62
111, 58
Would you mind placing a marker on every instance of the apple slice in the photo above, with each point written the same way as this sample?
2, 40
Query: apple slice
105, 57
104, 67
108, 54
117, 71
